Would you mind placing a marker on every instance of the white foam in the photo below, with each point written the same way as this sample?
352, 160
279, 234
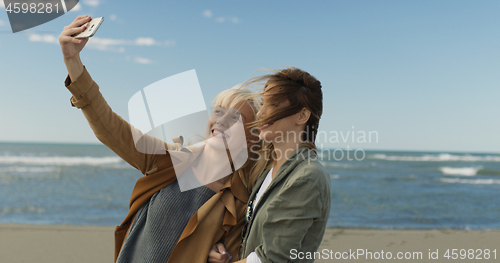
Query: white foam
437, 158
469, 181
464, 171
14, 173
335, 164
59, 160
27, 169
22, 209
334, 176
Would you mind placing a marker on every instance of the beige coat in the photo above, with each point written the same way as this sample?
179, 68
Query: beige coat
221, 218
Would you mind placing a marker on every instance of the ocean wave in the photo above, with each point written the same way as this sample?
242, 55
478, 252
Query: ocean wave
29, 169
443, 157
469, 181
464, 171
335, 164
15, 173
23, 209
59, 160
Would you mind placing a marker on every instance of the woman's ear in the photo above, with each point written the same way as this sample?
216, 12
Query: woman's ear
303, 116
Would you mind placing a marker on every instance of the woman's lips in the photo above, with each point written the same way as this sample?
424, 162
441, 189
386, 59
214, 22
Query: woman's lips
219, 133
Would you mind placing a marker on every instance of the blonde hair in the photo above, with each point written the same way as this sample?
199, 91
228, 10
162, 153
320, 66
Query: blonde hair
235, 95
230, 98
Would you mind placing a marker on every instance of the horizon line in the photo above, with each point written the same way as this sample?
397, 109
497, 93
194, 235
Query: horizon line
322, 149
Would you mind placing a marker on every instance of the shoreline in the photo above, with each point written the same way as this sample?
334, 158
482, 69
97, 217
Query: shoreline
68, 243
328, 228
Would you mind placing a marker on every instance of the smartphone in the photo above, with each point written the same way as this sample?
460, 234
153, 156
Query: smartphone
92, 27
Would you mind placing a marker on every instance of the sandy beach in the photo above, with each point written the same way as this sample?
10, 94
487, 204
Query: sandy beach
84, 244
417, 242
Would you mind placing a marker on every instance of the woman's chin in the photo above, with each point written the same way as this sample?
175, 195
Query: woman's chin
266, 136
216, 143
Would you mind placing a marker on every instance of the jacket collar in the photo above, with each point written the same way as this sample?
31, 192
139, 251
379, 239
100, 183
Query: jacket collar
285, 169
292, 161
301, 154
237, 187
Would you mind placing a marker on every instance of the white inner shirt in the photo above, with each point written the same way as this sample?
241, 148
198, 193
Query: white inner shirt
252, 257
263, 187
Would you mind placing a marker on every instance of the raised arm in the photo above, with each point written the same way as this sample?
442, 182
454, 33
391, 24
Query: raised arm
71, 47
109, 127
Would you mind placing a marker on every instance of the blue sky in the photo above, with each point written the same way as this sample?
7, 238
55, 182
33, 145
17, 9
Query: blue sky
423, 74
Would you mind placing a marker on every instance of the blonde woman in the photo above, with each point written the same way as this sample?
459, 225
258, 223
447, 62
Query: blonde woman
163, 223
289, 206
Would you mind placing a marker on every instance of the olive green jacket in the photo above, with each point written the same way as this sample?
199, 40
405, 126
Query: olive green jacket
293, 211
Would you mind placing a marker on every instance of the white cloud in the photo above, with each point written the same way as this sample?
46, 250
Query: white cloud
43, 38
2, 5
145, 41
169, 43
117, 45
207, 13
107, 44
92, 3
77, 7
2, 23
141, 60
140, 41
108, 41
112, 17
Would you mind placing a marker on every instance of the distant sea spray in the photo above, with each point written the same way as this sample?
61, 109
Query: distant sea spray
59, 160
442, 157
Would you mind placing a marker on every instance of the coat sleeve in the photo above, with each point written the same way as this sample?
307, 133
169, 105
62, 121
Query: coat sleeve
290, 215
111, 129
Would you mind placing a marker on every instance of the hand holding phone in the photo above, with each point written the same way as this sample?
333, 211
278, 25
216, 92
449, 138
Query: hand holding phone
91, 28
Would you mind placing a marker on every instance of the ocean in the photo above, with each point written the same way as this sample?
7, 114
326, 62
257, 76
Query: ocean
76, 184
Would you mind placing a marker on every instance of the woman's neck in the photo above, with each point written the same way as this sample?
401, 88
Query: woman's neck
282, 151
213, 168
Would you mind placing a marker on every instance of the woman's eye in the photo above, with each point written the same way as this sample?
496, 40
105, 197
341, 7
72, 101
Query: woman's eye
269, 105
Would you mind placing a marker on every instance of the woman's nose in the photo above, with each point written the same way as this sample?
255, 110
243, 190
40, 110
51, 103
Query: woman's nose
224, 120
220, 121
